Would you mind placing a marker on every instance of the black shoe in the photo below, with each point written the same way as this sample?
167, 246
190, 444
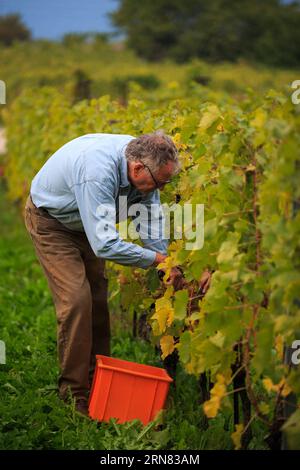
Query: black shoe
81, 406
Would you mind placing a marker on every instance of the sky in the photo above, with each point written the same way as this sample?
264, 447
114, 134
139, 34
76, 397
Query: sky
53, 18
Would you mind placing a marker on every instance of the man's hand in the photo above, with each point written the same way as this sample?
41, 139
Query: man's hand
159, 259
176, 279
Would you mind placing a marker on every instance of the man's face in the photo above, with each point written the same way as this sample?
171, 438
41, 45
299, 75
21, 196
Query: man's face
146, 180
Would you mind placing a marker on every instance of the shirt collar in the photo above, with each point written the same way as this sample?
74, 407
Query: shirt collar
124, 169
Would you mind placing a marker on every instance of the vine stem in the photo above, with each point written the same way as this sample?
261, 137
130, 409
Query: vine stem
249, 422
238, 307
227, 214
255, 216
235, 374
255, 308
249, 388
190, 301
236, 390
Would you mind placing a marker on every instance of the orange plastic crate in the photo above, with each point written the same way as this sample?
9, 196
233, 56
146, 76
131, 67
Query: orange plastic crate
126, 390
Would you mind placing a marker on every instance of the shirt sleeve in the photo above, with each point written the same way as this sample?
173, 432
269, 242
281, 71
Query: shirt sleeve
151, 223
96, 205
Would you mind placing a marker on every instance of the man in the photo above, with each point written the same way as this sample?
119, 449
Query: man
68, 215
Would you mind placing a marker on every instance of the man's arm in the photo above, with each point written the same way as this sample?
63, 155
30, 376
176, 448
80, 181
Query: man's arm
96, 206
151, 228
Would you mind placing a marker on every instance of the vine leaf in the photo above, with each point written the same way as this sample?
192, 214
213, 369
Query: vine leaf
180, 303
282, 387
236, 436
211, 407
167, 345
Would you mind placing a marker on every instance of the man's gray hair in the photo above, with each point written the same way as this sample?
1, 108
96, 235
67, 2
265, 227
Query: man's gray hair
155, 150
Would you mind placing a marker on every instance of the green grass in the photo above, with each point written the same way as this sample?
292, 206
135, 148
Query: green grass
32, 416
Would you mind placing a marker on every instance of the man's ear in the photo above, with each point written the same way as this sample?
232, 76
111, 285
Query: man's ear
138, 167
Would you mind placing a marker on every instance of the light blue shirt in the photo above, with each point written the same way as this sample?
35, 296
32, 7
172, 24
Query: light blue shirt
81, 183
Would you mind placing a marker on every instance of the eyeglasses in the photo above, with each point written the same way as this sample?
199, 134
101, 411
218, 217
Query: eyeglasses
158, 184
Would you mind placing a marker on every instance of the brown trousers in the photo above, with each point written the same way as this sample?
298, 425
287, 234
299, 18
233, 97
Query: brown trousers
76, 278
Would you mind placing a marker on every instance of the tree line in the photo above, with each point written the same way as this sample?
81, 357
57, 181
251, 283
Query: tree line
216, 30
219, 30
